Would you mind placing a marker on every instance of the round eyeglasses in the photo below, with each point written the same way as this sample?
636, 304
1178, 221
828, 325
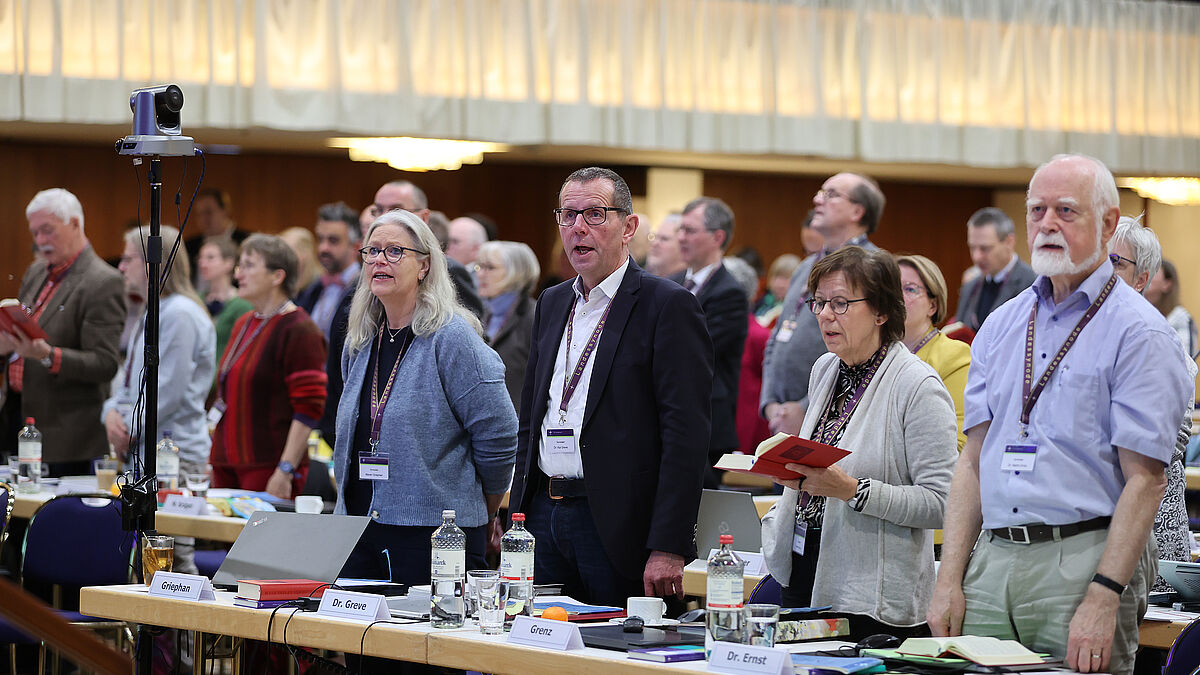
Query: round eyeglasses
392, 254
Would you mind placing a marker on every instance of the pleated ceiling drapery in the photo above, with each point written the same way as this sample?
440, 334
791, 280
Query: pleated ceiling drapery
990, 83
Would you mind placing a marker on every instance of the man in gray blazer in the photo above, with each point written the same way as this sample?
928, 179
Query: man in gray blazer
79, 301
991, 238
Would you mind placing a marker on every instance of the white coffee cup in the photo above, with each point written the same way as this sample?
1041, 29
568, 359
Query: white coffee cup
649, 610
309, 504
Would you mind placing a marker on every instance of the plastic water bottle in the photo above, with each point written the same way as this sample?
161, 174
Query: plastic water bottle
166, 463
447, 572
29, 458
516, 568
723, 602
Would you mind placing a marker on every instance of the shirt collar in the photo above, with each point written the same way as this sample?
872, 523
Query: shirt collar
1000, 276
608, 287
1090, 288
59, 271
701, 275
859, 240
349, 274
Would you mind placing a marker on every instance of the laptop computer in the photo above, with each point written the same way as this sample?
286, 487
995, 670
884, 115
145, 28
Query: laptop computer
727, 512
1184, 577
276, 545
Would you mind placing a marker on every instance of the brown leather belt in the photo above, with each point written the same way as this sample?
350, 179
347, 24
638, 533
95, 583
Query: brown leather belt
1037, 533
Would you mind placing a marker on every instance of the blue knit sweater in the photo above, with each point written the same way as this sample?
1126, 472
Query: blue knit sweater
449, 430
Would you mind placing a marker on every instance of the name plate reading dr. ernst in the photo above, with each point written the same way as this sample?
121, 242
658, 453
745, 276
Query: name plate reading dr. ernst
545, 633
737, 659
181, 586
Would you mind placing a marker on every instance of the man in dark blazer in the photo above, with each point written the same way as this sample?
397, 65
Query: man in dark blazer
704, 233
79, 301
339, 238
990, 236
614, 425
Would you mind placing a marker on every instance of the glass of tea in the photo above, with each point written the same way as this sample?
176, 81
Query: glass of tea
158, 553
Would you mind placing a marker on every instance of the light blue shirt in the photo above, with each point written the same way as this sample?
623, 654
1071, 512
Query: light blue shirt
1120, 385
498, 308
187, 346
331, 297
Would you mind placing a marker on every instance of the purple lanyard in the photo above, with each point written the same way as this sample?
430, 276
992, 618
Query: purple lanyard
379, 402
570, 383
925, 340
828, 433
1032, 391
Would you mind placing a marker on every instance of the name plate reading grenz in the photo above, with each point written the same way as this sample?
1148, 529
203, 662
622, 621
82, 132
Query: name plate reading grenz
545, 633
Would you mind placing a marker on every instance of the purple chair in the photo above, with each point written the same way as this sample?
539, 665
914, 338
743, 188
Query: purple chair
1184, 657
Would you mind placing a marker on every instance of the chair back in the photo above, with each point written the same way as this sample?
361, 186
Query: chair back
77, 540
6, 507
767, 591
1185, 652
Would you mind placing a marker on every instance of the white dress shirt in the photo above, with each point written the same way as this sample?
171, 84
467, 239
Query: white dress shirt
699, 277
587, 316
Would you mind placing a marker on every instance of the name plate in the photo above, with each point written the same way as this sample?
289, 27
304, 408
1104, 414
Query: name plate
736, 659
545, 633
181, 586
755, 564
185, 506
353, 605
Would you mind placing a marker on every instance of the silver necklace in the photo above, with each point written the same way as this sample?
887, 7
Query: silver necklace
391, 335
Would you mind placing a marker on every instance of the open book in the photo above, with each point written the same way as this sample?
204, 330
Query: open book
14, 319
986, 651
781, 449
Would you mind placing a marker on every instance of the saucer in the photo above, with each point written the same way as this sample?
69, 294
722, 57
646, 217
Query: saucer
661, 623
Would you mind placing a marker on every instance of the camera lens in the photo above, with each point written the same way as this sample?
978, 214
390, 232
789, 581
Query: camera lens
173, 98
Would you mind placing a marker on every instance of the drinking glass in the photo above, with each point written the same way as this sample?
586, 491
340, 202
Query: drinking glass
197, 482
760, 623
474, 576
158, 553
106, 473
490, 597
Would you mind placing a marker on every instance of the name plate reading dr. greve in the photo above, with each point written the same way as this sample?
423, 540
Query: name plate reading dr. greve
353, 605
736, 659
544, 633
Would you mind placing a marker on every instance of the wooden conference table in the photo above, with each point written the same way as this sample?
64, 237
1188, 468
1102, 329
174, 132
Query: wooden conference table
213, 528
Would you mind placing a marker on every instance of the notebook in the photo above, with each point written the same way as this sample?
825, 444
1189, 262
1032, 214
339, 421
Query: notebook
277, 545
727, 512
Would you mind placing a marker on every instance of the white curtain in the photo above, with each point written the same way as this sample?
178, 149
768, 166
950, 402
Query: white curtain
995, 83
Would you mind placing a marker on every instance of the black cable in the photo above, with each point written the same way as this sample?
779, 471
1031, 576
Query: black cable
362, 641
166, 272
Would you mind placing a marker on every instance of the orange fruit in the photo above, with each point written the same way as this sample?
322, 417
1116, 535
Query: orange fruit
555, 613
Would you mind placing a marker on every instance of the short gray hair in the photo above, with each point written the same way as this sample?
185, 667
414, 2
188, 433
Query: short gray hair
420, 201
717, 216
437, 301
742, 273
621, 197
990, 215
1104, 186
62, 203
868, 195
1147, 251
521, 269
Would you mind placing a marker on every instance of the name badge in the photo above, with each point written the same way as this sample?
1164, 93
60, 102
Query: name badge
545, 633
736, 659
798, 538
560, 441
372, 467
353, 605
185, 506
1019, 458
215, 413
785, 333
181, 586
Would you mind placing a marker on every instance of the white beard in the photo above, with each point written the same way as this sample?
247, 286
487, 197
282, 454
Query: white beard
1058, 263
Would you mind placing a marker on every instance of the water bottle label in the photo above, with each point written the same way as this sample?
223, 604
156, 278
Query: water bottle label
448, 563
516, 565
724, 593
29, 451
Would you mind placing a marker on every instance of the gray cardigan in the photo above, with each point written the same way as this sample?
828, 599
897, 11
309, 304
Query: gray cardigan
449, 429
879, 562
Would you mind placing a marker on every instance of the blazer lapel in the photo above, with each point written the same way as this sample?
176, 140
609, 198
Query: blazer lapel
614, 325
557, 308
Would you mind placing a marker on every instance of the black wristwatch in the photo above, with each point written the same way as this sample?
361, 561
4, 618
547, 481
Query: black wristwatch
286, 467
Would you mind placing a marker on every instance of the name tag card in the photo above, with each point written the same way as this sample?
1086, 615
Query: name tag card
755, 564
1019, 457
181, 586
735, 659
557, 635
185, 506
352, 605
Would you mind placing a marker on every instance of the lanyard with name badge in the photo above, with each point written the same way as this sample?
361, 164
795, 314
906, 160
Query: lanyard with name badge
562, 440
373, 465
1022, 456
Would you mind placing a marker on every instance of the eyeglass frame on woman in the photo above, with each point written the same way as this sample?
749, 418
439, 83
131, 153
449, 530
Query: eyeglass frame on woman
1116, 258
833, 302
916, 290
367, 256
559, 212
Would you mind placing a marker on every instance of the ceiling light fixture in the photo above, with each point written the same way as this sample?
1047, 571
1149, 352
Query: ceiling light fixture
1180, 191
416, 154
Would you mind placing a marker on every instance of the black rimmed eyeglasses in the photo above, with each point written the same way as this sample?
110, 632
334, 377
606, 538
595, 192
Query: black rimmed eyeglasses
839, 305
392, 254
592, 215
1117, 259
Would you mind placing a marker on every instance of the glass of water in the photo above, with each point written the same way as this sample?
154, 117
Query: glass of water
490, 597
760, 621
473, 577
197, 482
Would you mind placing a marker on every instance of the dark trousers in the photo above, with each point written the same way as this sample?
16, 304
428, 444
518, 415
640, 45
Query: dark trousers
569, 552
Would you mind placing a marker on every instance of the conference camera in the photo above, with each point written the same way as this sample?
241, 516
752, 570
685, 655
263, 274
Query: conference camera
157, 126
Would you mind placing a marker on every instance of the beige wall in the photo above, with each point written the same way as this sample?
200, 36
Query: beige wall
1176, 227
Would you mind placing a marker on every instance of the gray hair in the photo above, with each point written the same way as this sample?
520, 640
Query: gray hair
62, 203
179, 281
420, 201
437, 301
521, 269
1104, 186
742, 273
276, 255
990, 215
621, 197
717, 216
868, 195
340, 211
1147, 251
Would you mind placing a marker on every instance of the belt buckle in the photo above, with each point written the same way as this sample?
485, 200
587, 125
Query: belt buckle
550, 488
1012, 534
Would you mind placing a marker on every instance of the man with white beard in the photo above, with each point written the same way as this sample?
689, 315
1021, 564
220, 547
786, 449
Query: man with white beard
1063, 469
